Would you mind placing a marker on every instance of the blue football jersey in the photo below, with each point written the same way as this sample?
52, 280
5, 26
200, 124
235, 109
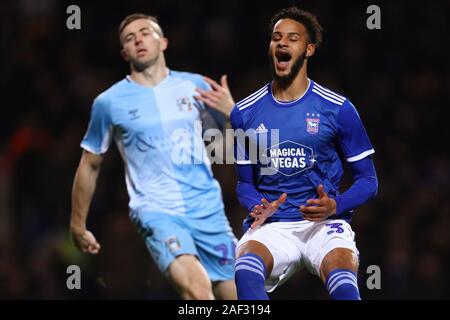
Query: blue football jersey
312, 134
158, 132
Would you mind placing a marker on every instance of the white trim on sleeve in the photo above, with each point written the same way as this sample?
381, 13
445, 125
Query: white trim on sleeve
243, 162
360, 156
88, 148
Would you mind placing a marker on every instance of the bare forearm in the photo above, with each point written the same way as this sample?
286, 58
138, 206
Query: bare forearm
82, 192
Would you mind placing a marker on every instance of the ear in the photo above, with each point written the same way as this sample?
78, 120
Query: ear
164, 43
310, 49
124, 55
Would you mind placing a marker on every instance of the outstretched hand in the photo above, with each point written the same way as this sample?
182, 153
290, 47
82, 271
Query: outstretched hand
264, 210
219, 98
319, 209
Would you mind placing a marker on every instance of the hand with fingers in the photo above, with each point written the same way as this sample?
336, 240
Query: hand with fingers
219, 98
264, 210
85, 241
319, 209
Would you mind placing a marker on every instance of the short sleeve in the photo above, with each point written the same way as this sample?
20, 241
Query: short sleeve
241, 156
352, 136
99, 133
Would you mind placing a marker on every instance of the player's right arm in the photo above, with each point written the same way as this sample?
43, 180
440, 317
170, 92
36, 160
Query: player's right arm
95, 143
248, 195
82, 193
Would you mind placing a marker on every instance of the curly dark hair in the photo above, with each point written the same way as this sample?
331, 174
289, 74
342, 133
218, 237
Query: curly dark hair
306, 18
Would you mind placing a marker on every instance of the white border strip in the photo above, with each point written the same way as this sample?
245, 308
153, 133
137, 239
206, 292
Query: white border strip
329, 94
253, 101
245, 100
328, 90
360, 156
243, 162
325, 97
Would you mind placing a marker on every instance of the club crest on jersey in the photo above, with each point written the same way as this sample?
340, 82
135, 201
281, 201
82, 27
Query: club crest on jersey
173, 244
184, 104
312, 124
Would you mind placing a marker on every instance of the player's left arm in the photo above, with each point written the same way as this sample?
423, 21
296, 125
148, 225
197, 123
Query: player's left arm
364, 187
219, 97
357, 150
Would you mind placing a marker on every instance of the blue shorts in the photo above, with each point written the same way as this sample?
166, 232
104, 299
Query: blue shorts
210, 239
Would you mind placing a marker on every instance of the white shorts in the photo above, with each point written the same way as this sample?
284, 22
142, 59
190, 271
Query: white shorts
297, 244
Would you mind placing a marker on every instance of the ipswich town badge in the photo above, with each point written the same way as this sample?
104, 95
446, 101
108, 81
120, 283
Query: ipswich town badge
312, 125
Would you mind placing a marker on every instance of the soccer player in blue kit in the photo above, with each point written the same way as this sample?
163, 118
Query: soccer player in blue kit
297, 216
175, 202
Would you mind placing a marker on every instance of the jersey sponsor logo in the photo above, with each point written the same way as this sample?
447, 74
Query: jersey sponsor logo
290, 158
143, 142
312, 124
184, 104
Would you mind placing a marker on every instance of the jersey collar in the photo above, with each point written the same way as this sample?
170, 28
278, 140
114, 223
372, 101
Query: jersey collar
293, 102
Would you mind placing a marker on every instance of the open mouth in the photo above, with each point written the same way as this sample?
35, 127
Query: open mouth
282, 59
283, 56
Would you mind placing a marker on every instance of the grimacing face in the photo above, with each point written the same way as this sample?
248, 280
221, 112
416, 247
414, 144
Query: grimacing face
142, 43
288, 48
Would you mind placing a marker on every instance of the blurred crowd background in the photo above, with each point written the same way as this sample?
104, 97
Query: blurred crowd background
398, 77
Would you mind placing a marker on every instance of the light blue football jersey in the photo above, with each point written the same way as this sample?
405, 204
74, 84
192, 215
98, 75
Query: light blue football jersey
158, 132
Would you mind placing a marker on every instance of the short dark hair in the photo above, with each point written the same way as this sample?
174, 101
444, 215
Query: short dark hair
306, 18
136, 16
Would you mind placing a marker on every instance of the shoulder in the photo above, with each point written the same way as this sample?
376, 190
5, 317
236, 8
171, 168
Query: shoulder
328, 96
235, 118
116, 90
250, 101
194, 78
245, 107
103, 103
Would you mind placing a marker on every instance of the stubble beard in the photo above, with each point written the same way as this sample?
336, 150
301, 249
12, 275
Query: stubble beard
285, 81
141, 66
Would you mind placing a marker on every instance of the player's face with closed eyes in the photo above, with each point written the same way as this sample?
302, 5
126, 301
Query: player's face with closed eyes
142, 42
287, 47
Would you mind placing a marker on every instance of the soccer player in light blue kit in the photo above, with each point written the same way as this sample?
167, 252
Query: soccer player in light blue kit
297, 216
153, 116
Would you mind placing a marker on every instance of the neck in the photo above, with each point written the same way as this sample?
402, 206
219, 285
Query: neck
150, 76
292, 90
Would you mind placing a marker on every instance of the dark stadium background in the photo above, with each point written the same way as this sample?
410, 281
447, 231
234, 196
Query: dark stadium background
398, 77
